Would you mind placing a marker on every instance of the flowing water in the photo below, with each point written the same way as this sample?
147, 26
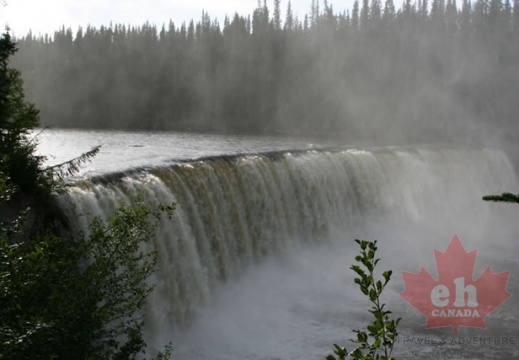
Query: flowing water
254, 263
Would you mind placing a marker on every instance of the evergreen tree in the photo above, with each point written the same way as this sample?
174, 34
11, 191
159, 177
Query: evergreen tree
494, 17
451, 17
364, 16
465, 26
17, 119
376, 14
276, 20
289, 22
313, 13
507, 23
516, 16
355, 16
479, 20
389, 11
425, 10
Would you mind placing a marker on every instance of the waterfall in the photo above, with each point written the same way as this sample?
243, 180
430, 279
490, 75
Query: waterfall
235, 211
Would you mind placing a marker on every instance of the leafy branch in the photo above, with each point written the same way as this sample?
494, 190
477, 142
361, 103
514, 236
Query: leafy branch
377, 341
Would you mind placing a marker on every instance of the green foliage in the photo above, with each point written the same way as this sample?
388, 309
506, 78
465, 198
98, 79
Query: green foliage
79, 297
6, 190
377, 341
17, 119
504, 197
33, 279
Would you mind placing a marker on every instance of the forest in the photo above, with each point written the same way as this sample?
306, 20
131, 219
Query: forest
424, 72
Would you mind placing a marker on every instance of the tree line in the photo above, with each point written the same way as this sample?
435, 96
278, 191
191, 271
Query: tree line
421, 72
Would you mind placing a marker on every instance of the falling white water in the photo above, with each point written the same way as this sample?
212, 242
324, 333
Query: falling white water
254, 263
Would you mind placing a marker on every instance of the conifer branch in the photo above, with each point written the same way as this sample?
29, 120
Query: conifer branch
504, 197
71, 167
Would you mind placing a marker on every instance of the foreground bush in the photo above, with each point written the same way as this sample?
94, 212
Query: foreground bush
78, 297
377, 341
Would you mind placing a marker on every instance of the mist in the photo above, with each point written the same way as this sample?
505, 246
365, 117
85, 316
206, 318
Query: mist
378, 74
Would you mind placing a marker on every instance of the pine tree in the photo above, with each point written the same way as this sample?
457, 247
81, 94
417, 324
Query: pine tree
17, 118
479, 20
364, 16
425, 10
494, 16
355, 16
452, 17
507, 23
191, 32
465, 27
376, 13
389, 11
516, 16
276, 20
289, 22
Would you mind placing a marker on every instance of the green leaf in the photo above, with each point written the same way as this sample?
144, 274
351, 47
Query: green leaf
387, 276
372, 295
369, 266
357, 354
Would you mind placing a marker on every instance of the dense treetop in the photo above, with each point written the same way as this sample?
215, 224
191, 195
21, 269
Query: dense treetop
423, 72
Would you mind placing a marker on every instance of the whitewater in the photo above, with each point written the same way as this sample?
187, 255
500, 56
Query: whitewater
255, 262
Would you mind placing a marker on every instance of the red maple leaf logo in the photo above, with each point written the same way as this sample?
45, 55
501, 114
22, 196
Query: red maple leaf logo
455, 299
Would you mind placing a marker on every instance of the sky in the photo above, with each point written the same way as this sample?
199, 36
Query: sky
46, 16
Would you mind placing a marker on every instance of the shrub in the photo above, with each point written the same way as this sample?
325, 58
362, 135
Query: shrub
377, 341
78, 297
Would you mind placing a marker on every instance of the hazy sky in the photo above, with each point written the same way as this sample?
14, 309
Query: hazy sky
46, 16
